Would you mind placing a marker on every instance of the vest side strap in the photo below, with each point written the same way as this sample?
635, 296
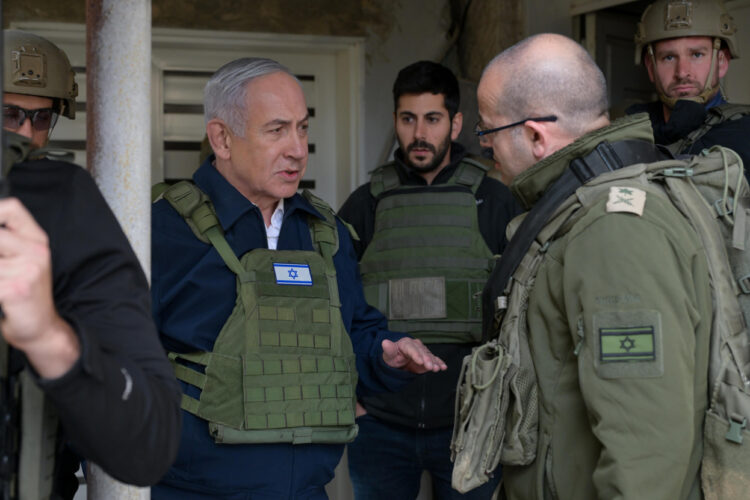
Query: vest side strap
198, 357
189, 404
225, 251
190, 376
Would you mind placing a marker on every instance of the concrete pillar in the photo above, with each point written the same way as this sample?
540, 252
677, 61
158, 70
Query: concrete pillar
118, 127
118, 135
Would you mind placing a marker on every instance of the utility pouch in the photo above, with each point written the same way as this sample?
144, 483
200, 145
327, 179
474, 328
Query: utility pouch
481, 407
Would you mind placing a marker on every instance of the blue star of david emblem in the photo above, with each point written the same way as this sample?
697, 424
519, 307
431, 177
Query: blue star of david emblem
293, 274
627, 344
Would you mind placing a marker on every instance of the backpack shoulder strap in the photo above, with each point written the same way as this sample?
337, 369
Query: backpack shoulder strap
384, 178
196, 208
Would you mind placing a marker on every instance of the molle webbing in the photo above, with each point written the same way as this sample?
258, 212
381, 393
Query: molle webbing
282, 368
427, 260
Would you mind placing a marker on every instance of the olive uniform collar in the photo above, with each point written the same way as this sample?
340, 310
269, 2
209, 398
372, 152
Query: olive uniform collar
531, 184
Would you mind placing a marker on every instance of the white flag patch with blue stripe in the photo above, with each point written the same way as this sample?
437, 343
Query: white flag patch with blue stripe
292, 274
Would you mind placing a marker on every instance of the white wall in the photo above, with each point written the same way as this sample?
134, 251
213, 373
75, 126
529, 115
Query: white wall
419, 34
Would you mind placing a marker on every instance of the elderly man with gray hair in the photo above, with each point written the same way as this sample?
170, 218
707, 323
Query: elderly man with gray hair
611, 304
258, 299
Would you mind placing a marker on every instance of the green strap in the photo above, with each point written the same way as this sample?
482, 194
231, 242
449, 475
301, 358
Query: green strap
420, 220
469, 173
195, 207
323, 232
201, 358
390, 178
192, 377
325, 238
190, 404
384, 178
422, 262
216, 236
419, 241
424, 198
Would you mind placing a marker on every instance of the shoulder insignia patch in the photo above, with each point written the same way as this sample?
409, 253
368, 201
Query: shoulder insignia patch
626, 199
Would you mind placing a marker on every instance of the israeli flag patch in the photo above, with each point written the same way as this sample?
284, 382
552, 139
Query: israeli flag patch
292, 274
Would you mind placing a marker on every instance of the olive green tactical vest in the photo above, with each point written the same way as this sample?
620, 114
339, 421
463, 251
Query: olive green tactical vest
427, 262
282, 368
716, 115
497, 404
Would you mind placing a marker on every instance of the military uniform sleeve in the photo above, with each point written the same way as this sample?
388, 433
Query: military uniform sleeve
638, 302
367, 327
119, 404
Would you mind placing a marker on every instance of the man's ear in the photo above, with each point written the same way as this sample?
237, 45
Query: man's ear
539, 137
649, 63
219, 137
722, 65
456, 124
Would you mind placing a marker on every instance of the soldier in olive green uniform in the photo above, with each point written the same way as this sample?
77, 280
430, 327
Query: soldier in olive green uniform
619, 310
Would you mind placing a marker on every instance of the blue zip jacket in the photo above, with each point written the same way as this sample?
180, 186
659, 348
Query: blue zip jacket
193, 295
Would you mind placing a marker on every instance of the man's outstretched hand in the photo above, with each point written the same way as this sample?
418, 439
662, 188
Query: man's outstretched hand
411, 355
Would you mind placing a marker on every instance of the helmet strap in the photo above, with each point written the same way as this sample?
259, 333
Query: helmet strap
708, 88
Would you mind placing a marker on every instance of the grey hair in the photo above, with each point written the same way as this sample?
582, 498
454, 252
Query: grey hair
224, 96
572, 86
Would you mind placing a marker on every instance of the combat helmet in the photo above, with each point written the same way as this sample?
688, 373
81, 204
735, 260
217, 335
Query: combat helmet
665, 19
33, 65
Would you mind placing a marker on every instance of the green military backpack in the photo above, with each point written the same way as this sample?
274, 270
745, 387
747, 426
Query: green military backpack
496, 405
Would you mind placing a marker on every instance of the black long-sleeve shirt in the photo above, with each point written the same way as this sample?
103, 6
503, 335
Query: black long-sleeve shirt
119, 404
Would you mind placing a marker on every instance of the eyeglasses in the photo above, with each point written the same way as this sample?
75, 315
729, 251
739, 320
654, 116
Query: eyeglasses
479, 131
42, 119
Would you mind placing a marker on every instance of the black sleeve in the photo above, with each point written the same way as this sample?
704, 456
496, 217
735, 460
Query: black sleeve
495, 208
119, 404
359, 211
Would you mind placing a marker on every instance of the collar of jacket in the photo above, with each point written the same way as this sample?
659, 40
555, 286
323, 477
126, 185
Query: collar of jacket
531, 184
231, 205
